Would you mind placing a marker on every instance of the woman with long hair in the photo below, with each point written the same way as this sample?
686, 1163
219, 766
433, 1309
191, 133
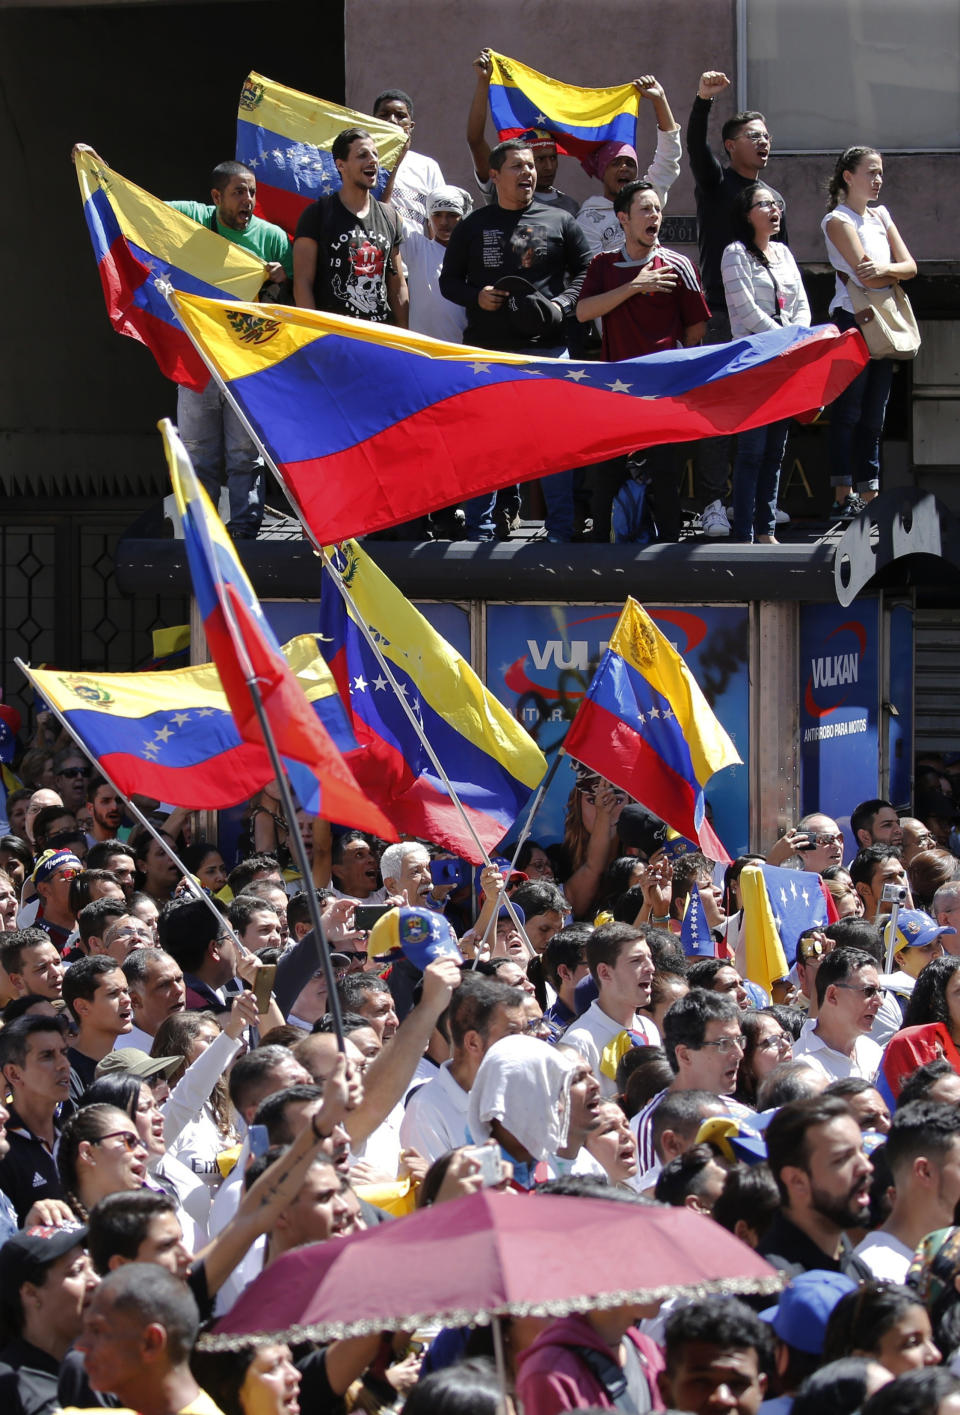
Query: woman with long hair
100, 1153
936, 996
866, 249
136, 1099
767, 1044
764, 290
884, 1321
198, 1117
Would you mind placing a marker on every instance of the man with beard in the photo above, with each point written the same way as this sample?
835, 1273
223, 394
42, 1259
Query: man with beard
815, 1152
106, 808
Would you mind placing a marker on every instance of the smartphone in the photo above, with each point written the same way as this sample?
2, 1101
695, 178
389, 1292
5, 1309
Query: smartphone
263, 985
488, 1158
805, 842
259, 1140
366, 915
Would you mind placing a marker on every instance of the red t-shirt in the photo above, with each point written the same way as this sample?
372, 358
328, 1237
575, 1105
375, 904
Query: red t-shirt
646, 324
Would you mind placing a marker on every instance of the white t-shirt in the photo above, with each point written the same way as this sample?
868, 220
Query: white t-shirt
886, 1257
430, 313
435, 1119
595, 1030
871, 229
811, 1048
417, 176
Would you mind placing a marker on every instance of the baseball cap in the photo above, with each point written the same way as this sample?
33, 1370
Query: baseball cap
800, 1317
422, 935
131, 1061
640, 829
30, 1250
504, 913
51, 861
915, 929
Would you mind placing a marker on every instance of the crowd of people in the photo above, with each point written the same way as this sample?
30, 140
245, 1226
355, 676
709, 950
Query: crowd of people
177, 1115
519, 266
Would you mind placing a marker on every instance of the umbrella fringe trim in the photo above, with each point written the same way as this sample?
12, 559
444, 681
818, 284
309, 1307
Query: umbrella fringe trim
453, 1317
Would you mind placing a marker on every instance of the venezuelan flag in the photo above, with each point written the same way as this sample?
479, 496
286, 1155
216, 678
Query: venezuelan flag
645, 725
138, 239
358, 418
580, 119
695, 936
778, 906
492, 762
285, 137
171, 734
244, 647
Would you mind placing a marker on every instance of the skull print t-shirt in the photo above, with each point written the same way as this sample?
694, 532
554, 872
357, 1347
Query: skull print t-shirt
354, 256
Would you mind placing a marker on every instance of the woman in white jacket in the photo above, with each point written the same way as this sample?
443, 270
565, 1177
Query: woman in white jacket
764, 289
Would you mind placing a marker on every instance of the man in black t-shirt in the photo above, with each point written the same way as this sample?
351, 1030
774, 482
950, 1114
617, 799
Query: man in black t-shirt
346, 253
517, 268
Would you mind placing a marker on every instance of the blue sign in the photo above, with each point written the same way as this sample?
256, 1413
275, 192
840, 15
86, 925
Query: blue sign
540, 659
839, 710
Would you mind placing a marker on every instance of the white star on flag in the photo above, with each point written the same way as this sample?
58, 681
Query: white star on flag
360, 684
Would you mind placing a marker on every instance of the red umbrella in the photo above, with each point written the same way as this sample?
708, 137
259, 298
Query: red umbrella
489, 1255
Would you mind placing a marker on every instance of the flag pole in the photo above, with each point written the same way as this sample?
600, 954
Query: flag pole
294, 838
165, 845
170, 296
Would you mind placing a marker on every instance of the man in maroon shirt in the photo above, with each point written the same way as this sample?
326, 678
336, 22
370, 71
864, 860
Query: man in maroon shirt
649, 299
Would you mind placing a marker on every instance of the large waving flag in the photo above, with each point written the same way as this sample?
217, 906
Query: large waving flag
241, 641
778, 906
138, 239
285, 137
357, 417
171, 734
579, 118
492, 762
645, 725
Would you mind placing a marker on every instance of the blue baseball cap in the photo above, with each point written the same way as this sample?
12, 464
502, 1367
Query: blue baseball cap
800, 1317
915, 929
421, 934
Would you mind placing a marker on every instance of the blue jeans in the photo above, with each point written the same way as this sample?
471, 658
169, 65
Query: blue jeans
856, 421
756, 479
220, 446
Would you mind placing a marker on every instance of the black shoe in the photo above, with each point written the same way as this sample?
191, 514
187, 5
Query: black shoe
847, 510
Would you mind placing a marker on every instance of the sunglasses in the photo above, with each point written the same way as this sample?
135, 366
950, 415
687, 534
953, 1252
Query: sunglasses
72, 771
66, 874
131, 1141
869, 991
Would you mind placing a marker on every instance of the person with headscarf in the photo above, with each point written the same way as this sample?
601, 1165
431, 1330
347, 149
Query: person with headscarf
423, 254
539, 1103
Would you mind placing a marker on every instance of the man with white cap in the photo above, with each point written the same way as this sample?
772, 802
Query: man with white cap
423, 255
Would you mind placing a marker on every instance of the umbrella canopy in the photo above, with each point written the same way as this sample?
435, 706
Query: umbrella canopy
489, 1255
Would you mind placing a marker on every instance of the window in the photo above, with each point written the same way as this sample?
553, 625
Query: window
830, 73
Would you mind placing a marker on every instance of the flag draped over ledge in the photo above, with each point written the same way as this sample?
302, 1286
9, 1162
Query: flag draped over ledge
137, 239
646, 727
580, 119
285, 138
370, 425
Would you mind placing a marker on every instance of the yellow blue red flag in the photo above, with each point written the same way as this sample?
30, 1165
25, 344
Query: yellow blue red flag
138, 239
645, 725
244, 647
358, 417
285, 137
580, 119
171, 734
491, 760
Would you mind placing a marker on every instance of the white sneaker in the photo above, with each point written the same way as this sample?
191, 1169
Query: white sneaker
714, 521
781, 517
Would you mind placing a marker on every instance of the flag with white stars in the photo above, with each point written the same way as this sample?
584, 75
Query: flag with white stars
491, 760
646, 727
356, 463
778, 906
579, 119
285, 137
695, 934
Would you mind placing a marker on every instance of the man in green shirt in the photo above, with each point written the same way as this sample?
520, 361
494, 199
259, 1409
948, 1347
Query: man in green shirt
219, 445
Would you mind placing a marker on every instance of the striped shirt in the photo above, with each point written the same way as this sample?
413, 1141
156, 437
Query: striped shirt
762, 297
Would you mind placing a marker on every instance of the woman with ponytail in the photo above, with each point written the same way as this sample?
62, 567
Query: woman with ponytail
764, 289
865, 248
